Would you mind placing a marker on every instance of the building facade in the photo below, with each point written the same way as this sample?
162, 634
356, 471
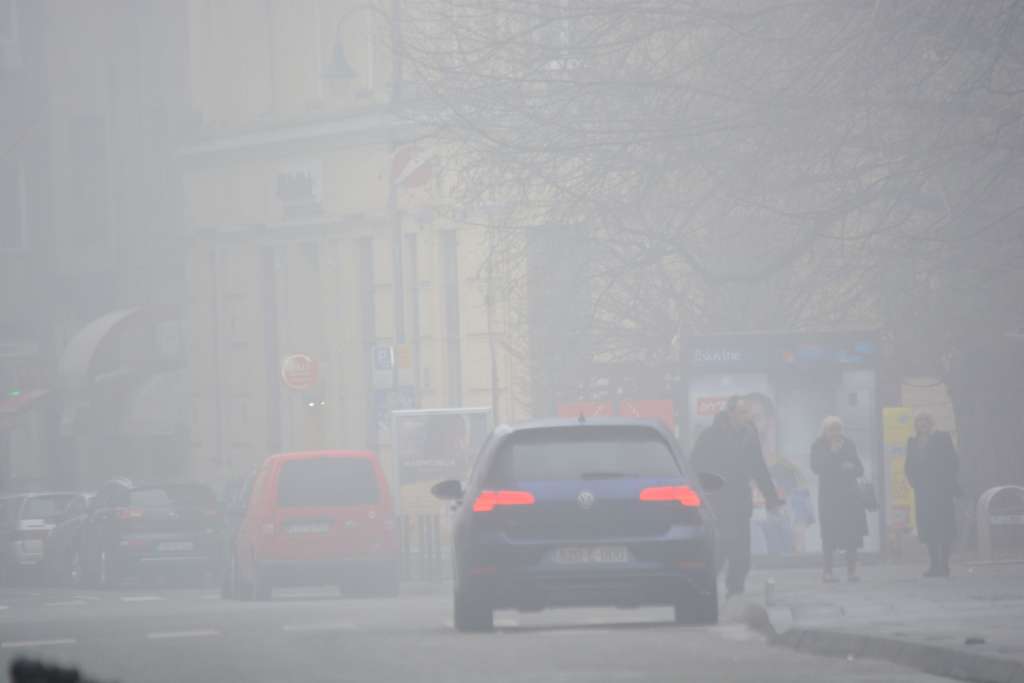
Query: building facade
325, 287
91, 250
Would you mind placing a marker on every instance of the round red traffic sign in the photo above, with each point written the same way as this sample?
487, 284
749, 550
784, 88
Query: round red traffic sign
299, 371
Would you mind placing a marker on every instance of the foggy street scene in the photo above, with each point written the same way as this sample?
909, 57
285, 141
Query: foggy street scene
511, 340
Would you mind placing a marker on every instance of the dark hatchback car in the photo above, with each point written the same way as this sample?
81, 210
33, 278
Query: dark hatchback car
131, 529
561, 513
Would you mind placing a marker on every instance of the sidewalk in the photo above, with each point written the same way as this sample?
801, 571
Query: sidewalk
969, 627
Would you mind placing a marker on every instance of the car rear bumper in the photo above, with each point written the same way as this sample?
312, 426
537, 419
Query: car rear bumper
167, 551
27, 553
659, 571
597, 589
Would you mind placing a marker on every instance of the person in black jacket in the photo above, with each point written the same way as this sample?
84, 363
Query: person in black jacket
731, 449
840, 508
932, 467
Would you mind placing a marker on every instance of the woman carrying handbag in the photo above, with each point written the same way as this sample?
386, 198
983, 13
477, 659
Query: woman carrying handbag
841, 506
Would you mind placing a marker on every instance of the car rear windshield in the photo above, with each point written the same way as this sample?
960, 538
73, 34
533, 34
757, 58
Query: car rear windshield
46, 508
327, 482
172, 496
582, 454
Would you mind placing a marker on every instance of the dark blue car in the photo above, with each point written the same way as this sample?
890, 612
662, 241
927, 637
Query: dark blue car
561, 513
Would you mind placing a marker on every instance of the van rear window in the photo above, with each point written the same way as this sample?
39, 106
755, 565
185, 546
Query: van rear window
47, 508
327, 482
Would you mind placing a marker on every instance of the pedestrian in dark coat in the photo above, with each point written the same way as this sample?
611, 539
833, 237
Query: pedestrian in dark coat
932, 467
730, 448
841, 510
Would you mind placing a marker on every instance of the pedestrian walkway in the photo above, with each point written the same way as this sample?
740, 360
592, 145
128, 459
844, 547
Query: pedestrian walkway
970, 626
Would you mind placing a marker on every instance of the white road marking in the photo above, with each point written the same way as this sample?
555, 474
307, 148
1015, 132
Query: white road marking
194, 633
331, 626
3, 607
506, 623
12, 644
141, 598
210, 596
90, 598
65, 603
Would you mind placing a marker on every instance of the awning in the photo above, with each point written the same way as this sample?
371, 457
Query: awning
12, 406
76, 362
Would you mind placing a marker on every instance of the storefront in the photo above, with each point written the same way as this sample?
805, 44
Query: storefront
793, 381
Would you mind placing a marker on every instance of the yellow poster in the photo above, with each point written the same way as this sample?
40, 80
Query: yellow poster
897, 427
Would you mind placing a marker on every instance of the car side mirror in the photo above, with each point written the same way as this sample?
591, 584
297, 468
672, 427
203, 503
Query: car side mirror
448, 490
710, 482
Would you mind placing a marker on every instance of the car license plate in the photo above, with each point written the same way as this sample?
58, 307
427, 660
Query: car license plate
308, 528
175, 546
601, 554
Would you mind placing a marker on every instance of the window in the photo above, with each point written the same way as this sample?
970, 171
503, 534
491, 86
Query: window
13, 229
46, 508
573, 455
190, 497
327, 482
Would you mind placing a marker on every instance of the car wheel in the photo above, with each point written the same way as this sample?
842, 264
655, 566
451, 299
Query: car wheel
472, 612
700, 607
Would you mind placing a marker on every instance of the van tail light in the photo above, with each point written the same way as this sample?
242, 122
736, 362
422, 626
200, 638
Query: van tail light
130, 513
488, 500
683, 495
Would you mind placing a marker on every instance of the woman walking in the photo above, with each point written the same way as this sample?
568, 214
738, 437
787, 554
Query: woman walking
840, 507
932, 470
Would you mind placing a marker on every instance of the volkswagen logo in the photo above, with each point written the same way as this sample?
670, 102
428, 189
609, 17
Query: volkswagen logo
585, 500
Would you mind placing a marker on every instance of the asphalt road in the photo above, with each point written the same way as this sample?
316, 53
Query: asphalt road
142, 635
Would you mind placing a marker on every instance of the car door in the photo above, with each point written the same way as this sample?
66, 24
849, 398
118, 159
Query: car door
64, 535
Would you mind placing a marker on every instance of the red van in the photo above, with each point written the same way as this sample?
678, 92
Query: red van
323, 517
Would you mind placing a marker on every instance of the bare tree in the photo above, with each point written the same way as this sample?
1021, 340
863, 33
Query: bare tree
674, 167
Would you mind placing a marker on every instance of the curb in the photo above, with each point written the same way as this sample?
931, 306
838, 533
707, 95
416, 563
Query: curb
949, 662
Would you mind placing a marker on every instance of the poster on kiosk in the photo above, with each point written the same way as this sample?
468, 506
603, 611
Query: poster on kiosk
792, 382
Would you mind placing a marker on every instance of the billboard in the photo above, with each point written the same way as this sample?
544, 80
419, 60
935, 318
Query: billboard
434, 445
897, 428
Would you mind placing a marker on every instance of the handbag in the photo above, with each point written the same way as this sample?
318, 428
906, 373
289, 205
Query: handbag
868, 497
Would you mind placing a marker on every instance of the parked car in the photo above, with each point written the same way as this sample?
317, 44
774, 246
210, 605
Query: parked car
26, 523
323, 517
60, 566
132, 529
561, 513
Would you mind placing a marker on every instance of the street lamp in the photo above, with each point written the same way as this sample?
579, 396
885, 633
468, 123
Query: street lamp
339, 69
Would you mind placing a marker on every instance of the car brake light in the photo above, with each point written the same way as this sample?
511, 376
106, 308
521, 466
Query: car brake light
683, 495
130, 513
488, 500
